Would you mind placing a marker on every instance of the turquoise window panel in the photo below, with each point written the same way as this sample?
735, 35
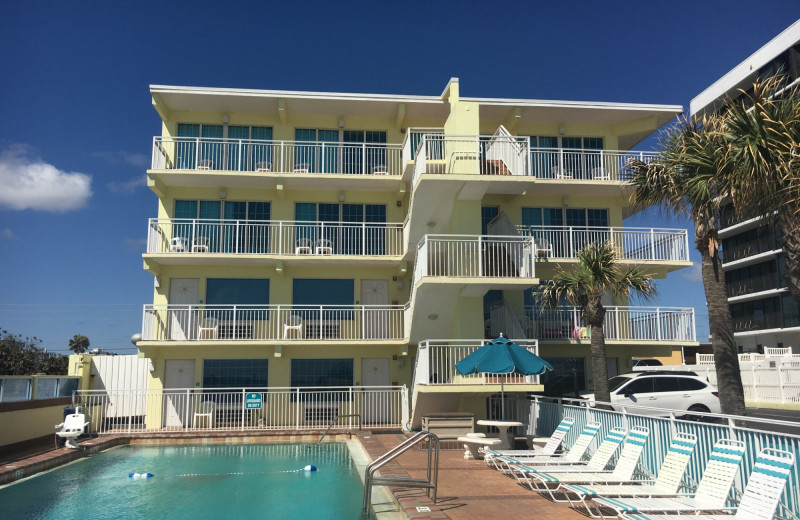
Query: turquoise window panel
186, 150
236, 148
531, 216
235, 373
488, 213
238, 291
321, 372
323, 291
184, 209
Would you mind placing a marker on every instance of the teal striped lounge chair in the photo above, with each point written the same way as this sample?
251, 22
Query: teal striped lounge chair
761, 495
550, 448
549, 482
667, 483
573, 456
711, 493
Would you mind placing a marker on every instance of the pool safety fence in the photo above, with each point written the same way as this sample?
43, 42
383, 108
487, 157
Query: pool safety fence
544, 415
244, 409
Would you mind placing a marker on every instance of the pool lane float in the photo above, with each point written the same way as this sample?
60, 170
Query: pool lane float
140, 475
310, 467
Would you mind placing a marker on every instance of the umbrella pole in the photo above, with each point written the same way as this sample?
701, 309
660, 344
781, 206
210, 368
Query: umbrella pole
502, 399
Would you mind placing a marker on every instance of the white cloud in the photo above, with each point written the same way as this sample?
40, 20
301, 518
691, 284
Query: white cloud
693, 274
134, 159
129, 186
135, 244
30, 183
7, 234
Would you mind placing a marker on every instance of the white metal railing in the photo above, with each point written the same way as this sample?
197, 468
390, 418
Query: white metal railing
272, 322
251, 155
595, 165
504, 154
475, 256
436, 363
621, 323
278, 408
543, 415
274, 237
638, 244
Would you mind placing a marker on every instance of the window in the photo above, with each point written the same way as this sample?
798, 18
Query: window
322, 372
235, 373
638, 386
687, 384
348, 151
488, 213
347, 238
15, 390
221, 147
666, 384
321, 291
249, 235
561, 381
573, 157
237, 291
245, 149
549, 227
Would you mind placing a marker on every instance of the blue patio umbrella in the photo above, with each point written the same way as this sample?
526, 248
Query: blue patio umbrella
501, 356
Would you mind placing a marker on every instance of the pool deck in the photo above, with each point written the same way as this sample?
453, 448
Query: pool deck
468, 489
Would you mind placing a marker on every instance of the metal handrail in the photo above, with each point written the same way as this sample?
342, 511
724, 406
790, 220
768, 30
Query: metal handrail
429, 483
336, 420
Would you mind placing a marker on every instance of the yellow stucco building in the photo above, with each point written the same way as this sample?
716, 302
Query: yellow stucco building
312, 239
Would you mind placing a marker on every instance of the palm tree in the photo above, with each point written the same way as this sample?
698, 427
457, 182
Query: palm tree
79, 344
584, 285
685, 179
761, 130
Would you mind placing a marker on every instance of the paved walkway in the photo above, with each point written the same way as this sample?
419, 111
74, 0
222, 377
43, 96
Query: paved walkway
468, 489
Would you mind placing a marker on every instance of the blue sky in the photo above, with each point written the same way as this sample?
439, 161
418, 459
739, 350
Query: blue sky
77, 115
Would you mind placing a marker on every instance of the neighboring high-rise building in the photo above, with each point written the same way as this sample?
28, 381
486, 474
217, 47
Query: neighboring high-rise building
315, 239
763, 311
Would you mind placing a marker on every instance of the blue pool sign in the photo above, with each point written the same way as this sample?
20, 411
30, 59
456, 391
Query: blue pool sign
252, 401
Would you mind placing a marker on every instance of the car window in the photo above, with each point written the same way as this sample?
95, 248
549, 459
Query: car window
688, 384
666, 384
638, 386
616, 382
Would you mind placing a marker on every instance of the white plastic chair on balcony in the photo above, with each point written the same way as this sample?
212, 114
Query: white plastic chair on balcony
303, 246
263, 166
324, 247
205, 164
380, 170
301, 168
600, 174
178, 245
200, 245
294, 323
559, 173
209, 329
543, 247
205, 411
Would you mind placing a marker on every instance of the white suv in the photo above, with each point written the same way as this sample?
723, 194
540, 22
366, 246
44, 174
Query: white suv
684, 391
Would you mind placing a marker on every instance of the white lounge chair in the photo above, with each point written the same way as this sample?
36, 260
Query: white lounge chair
73, 426
761, 495
205, 412
501, 460
711, 493
667, 483
548, 482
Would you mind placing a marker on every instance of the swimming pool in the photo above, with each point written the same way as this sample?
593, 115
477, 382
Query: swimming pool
218, 481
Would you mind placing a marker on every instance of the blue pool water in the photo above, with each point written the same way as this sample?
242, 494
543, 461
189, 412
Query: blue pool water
195, 482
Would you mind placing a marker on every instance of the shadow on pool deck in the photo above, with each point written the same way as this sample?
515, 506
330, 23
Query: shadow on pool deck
468, 489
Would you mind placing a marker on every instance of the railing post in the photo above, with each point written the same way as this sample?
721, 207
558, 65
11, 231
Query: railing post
234, 323
480, 256
236, 244
658, 322
297, 408
363, 239
194, 233
561, 161
571, 244
780, 384
363, 158
693, 332
686, 250
186, 408
240, 156
244, 406
652, 244
196, 153
363, 322
616, 322
320, 322
280, 239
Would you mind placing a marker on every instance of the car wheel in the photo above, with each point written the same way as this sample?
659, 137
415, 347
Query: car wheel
699, 418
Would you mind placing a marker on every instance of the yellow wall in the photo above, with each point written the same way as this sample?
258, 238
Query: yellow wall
23, 425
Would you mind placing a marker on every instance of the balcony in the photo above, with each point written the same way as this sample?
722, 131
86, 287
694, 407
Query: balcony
756, 284
284, 323
260, 156
475, 256
185, 238
632, 244
763, 244
436, 364
760, 321
506, 155
621, 324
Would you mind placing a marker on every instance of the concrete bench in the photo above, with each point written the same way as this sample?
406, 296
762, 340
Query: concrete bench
473, 443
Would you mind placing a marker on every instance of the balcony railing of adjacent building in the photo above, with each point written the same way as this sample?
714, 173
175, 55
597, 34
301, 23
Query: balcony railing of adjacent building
762, 321
760, 245
643, 244
502, 154
272, 322
436, 363
479, 256
261, 156
274, 237
621, 324
756, 284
